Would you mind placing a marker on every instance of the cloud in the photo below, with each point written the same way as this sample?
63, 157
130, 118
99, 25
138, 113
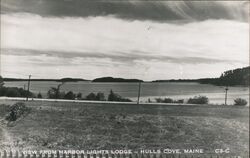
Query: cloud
110, 36
42, 66
130, 9
121, 59
91, 47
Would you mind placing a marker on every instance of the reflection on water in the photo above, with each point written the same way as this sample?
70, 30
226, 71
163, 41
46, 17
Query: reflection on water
216, 94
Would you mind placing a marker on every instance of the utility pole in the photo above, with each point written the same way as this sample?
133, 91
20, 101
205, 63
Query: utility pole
139, 93
28, 91
226, 96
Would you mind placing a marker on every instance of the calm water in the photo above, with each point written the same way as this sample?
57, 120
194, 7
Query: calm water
216, 94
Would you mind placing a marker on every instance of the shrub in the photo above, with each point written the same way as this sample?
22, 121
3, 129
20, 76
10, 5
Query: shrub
124, 100
179, 101
198, 100
79, 96
100, 96
116, 97
91, 96
39, 95
158, 100
14, 92
16, 111
240, 102
168, 100
112, 96
149, 100
70, 95
54, 92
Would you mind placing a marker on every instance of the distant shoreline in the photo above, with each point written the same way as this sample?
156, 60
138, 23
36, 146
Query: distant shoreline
234, 77
55, 80
200, 81
115, 102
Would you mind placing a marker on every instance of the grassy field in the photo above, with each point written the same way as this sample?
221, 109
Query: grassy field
53, 125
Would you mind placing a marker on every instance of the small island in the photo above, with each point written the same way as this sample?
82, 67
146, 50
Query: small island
111, 79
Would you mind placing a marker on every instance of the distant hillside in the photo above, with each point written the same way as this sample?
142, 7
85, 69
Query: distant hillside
71, 80
111, 79
56, 80
240, 76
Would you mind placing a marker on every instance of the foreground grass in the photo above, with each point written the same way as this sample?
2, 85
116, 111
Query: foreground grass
52, 125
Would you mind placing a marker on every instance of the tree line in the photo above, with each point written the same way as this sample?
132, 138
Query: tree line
234, 77
13, 91
56, 93
240, 76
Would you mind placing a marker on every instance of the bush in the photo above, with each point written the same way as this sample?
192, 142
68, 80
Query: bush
168, 100
39, 95
79, 96
14, 92
112, 96
100, 96
165, 100
16, 111
55, 93
116, 97
149, 100
158, 100
179, 101
91, 96
240, 102
198, 100
70, 95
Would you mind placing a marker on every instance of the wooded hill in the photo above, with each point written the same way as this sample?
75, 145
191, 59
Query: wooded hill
240, 76
111, 79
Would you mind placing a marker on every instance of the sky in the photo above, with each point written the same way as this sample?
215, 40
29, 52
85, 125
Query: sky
148, 40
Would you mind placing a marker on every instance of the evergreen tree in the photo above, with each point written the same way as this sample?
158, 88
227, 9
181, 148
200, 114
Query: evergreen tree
39, 95
100, 96
70, 95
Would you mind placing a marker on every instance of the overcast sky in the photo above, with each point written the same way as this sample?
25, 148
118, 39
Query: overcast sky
148, 40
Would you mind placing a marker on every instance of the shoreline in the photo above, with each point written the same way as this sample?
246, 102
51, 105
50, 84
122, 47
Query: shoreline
114, 102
